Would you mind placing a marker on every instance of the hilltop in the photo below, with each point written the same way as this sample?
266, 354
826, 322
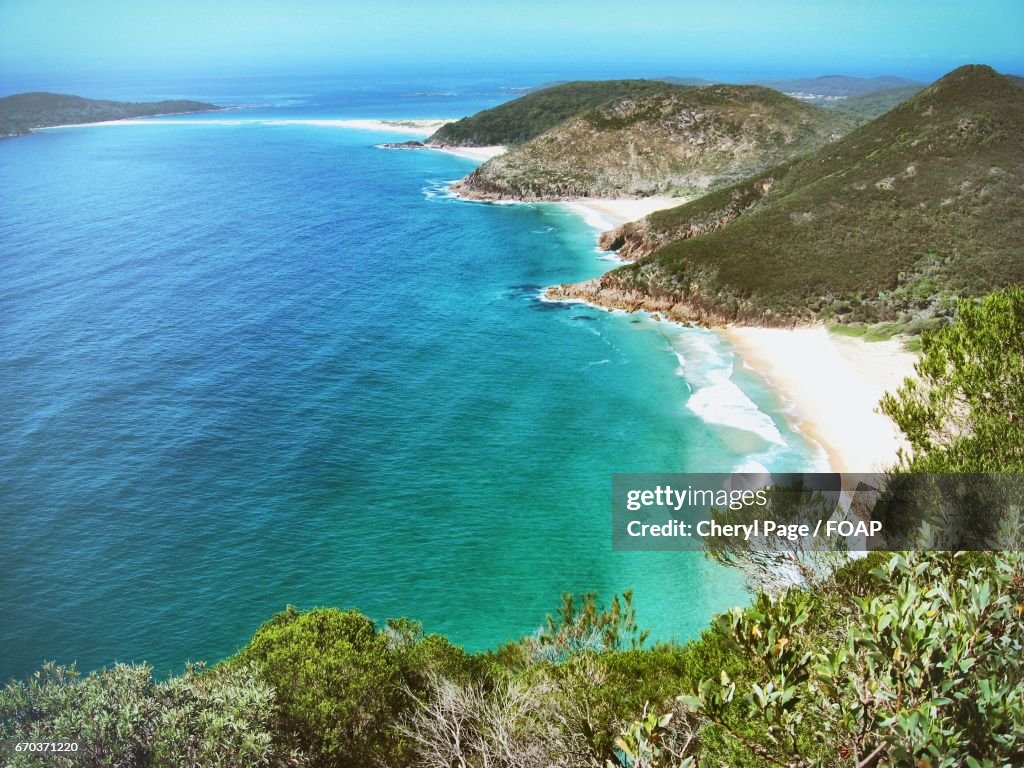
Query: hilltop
869, 104
890, 223
22, 112
544, 107
522, 119
664, 140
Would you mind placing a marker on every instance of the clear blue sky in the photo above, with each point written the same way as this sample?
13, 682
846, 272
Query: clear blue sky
718, 38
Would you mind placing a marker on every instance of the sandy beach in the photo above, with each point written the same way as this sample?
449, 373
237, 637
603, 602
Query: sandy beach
481, 154
834, 384
609, 213
413, 127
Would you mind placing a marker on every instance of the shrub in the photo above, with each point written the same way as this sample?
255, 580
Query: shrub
342, 686
963, 413
929, 670
121, 717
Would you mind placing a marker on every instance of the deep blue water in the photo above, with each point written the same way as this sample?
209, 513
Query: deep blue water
246, 365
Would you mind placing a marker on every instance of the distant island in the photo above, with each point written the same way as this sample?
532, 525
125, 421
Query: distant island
21, 113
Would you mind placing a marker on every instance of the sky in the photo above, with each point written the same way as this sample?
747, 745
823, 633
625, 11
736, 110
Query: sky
715, 38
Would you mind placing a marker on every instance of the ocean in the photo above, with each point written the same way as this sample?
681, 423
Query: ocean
247, 364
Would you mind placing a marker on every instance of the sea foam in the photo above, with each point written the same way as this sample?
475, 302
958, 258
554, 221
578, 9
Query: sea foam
716, 398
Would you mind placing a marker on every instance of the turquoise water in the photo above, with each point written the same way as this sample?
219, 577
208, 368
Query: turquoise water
246, 365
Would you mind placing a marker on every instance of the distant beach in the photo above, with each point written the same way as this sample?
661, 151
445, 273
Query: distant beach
410, 126
481, 154
420, 127
415, 127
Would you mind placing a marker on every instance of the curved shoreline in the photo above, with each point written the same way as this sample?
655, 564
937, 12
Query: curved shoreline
833, 383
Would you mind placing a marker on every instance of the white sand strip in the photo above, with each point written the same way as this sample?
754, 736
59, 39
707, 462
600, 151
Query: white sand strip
607, 214
482, 154
415, 127
834, 384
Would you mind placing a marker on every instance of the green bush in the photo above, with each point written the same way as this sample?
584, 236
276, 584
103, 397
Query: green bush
963, 413
931, 671
121, 717
343, 685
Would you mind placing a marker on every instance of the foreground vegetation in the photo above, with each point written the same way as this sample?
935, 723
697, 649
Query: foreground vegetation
908, 660
912, 659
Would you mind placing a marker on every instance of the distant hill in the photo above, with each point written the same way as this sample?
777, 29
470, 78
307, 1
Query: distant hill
522, 119
22, 112
837, 85
923, 204
869, 104
662, 140
876, 103
698, 81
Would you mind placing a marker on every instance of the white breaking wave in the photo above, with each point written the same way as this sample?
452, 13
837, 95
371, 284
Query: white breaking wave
439, 189
722, 402
715, 398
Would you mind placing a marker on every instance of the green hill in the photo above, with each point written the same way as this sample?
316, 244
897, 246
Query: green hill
520, 120
22, 112
672, 140
887, 224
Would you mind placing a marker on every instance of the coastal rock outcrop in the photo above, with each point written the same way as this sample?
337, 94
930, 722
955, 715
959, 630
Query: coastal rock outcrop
615, 291
636, 239
403, 145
